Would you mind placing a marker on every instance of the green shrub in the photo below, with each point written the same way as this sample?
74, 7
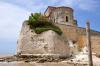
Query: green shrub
40, 30
40, 23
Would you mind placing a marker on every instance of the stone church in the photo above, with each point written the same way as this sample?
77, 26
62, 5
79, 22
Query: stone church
49, 43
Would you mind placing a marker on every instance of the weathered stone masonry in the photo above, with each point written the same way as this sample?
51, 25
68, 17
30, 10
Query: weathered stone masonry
49, 43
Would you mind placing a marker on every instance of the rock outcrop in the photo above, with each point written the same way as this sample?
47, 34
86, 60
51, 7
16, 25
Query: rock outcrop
46, 43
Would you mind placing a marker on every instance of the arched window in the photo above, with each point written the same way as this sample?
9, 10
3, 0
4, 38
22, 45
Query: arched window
66, 18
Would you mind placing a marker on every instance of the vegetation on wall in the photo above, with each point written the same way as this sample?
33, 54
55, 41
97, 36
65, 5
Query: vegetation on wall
40, 23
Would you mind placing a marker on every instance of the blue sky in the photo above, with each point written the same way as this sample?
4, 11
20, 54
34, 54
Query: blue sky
14, 12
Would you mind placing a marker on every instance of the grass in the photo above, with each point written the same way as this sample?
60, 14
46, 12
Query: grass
40, 30
42, 24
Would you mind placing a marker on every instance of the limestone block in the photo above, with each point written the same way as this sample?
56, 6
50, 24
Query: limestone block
45, 43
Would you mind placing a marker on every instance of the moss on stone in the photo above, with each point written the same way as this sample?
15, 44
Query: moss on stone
40, 23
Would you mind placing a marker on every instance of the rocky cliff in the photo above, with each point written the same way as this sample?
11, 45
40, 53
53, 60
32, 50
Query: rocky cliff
50, 43
46, 43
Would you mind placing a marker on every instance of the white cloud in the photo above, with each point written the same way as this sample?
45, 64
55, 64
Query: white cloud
82, 4
39, 5
88, 4
11, 18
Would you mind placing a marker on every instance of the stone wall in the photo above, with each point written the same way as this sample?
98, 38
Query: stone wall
82, 31
78, 35
95, 40
50, 43
46, 43
69, 32
61, 15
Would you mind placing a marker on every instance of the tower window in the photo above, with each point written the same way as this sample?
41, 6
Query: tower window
66, 18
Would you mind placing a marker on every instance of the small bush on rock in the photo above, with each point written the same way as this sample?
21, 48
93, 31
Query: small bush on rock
40, 23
